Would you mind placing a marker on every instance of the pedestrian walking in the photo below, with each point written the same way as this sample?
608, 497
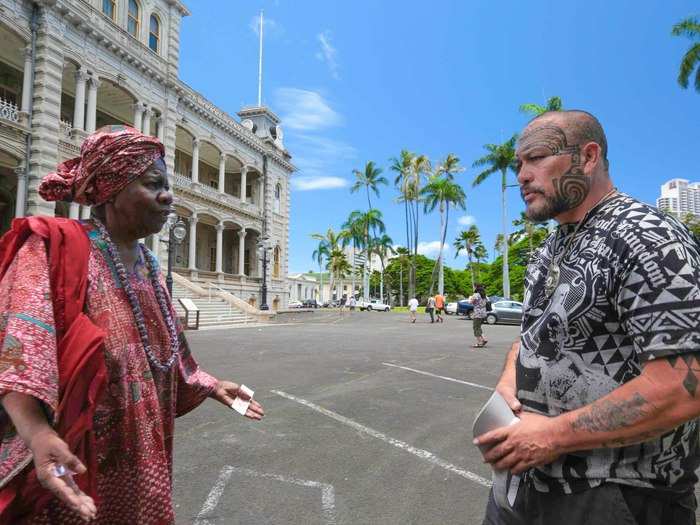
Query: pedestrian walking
430, 308
605, 376
480, 301
412, 309
440, 307
94, 367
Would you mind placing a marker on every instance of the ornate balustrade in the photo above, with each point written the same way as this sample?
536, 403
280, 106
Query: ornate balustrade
9, 111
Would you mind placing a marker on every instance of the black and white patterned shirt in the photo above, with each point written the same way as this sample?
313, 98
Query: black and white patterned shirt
629, 292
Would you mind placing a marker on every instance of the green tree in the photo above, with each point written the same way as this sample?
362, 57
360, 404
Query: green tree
500, 158
319, 255
553, 104
526, 230
383, 246
692, 222
467, 241
404, 257
441, 192
690, 27
354, 233
370, 179
480, 254
329, 243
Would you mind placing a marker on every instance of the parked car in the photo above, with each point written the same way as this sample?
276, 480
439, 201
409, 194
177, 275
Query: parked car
510, 312
310, 303
464, 307
451, 308
374, 304
331, 304
294, 304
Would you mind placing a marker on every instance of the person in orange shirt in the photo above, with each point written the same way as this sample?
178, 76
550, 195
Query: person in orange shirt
439, 307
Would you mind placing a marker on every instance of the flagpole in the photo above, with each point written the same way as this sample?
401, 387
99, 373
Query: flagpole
260, 62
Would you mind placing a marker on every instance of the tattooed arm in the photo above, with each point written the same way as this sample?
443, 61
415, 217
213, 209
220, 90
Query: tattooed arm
665, 395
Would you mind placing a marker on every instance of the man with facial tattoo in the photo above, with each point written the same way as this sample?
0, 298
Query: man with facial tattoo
605, 376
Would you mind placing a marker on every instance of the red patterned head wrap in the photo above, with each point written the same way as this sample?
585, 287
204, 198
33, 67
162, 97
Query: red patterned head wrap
110, 159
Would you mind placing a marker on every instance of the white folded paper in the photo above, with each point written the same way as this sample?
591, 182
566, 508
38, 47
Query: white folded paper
241, 405
496, 414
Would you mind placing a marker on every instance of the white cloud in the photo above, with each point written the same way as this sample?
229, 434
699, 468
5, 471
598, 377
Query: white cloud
305, 110
432, 248
270, 26
307, 183
328, 53
466, 220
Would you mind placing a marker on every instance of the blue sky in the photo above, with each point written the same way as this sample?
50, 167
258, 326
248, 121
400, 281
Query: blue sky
357, 81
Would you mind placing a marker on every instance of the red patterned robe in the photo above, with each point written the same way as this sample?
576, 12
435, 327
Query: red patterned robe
134, 420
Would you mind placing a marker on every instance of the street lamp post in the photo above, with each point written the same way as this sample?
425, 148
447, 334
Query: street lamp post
264, 247
176, 234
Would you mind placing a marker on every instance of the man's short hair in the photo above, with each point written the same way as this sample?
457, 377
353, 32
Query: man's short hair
581, 127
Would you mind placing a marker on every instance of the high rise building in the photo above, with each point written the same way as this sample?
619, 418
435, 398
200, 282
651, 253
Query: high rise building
680, 197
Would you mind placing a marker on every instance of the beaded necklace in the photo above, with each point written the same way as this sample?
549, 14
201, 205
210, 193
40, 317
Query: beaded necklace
136, 306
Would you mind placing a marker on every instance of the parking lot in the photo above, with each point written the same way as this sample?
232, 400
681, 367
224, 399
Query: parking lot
368, 421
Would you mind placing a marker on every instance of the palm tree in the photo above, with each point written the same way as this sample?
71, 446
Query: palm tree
329, 243
383, 246
689, 27
440, 192
450, 166
354, 234
370, 179
370, 222
527, 230
404, 166
320, 253
403, 254
498, 245
338, 265
553, 104
468, 240
480, 254
500, 157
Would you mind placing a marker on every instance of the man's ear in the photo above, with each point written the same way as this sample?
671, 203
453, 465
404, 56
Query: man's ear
591, 155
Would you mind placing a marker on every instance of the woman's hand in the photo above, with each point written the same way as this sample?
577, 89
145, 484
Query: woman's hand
50, 451
226, 391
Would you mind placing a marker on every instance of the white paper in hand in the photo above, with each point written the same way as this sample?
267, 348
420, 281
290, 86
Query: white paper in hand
241, 405
496, 414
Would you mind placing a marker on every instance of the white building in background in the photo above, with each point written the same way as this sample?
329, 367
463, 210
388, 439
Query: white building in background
302, 287
680, 196
90, 63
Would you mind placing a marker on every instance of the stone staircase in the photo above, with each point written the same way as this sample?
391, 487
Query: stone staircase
212, 313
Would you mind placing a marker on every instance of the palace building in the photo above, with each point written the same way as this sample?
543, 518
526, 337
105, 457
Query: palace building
68, 67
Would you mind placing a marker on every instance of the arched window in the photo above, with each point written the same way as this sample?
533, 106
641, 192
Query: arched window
276, 266
132, 22
278, 197
109, 9
154, 34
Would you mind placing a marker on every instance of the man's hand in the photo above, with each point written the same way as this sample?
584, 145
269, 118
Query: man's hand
523, 445
508, 393
226, 391
49, 451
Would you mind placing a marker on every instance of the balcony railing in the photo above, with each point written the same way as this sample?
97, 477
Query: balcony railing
207, 192
64, 128
9, 111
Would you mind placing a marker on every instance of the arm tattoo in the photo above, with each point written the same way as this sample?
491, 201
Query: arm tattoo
608, 416
689, 364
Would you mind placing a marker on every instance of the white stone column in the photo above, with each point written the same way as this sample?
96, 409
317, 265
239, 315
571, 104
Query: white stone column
21, 197
219, 248
259, 193
138, 115
27, 81
222, 172
79, 109
85, 212
91, 119
195, 160
160, 127
193, 243
155, 244
244, 175
74, 211
146, 127
241, 251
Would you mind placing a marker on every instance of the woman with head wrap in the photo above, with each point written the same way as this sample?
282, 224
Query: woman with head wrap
93, 366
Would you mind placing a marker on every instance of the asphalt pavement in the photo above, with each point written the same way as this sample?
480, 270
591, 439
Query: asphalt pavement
368, 421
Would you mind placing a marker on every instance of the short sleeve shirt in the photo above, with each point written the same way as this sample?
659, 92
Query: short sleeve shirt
479, 304
628, 292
